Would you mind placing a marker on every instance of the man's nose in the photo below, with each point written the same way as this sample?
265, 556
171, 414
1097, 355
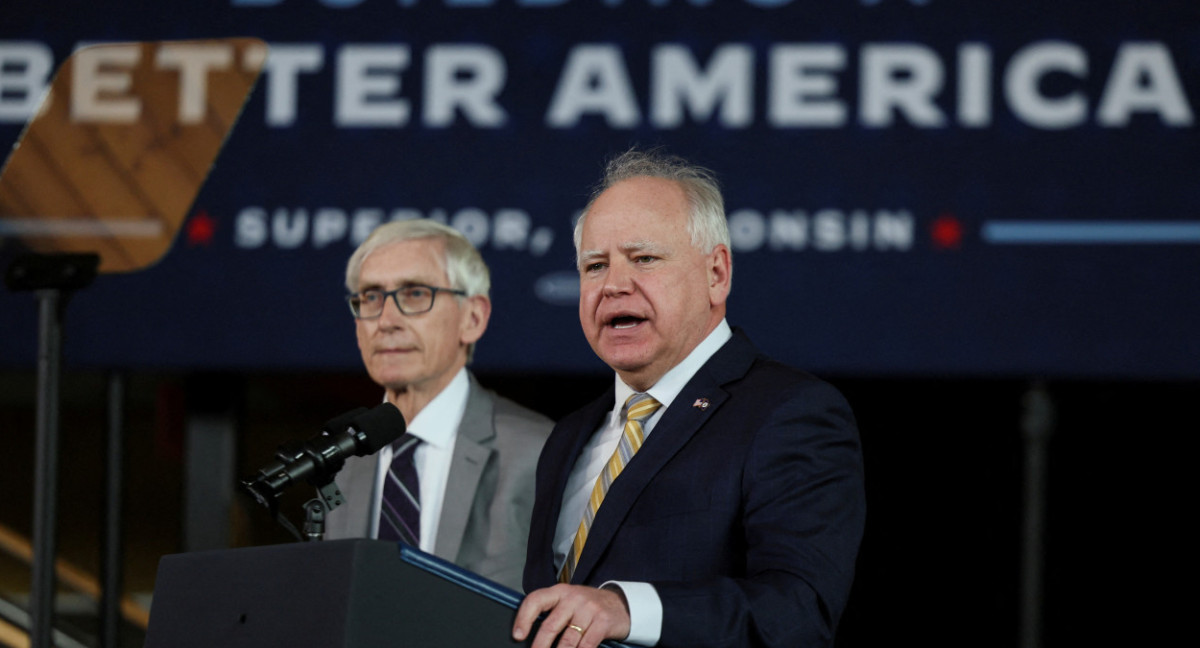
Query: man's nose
391, 317
618, 279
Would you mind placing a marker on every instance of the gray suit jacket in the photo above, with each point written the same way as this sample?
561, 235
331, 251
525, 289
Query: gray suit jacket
489, 491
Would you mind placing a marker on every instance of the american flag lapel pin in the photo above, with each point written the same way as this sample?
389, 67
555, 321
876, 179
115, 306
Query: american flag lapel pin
701, 404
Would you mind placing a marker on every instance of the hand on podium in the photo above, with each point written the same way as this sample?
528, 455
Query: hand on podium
577, 616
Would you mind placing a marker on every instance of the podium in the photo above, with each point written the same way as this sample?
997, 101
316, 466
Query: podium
333, 594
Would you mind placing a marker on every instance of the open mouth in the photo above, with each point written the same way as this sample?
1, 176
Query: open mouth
625, 322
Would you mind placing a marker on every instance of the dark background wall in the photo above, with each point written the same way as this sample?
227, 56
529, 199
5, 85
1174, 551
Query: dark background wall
941, 559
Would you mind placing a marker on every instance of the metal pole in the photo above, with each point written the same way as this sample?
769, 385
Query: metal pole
1037, 426
52, 278
41, 604
111, 576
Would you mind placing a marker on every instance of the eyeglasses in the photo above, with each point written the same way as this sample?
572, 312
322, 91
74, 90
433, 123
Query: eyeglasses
413, 299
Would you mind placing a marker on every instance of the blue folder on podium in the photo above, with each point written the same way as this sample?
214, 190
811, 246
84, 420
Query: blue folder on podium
333, 594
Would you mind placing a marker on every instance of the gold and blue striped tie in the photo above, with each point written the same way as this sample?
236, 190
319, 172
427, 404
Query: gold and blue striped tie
638, 408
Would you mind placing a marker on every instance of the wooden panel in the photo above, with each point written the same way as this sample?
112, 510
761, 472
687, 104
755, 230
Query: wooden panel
84, 180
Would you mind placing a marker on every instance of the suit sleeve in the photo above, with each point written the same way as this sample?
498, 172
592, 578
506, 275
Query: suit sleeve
803, 510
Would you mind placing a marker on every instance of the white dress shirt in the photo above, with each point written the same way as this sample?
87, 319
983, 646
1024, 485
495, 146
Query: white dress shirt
645, 608
436, 425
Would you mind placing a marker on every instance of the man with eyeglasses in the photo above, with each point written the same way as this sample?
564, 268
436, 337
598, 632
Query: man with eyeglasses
419, 295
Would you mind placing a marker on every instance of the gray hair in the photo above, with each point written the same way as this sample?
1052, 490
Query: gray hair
464, 266
706, 220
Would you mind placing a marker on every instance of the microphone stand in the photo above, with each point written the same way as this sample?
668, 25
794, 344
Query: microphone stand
328, 498
53, 278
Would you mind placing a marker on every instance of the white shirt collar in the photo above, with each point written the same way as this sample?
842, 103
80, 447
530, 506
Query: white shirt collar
437, 422
672, 382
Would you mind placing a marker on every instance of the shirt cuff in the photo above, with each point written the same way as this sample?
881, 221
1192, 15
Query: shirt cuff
645, 611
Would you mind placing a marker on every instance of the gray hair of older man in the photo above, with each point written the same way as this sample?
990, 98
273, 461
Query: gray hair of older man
706, 225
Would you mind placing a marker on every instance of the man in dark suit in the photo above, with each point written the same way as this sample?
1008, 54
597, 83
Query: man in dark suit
732, 512
420, 301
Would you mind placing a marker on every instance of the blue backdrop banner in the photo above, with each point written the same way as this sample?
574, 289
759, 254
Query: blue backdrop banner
913, 187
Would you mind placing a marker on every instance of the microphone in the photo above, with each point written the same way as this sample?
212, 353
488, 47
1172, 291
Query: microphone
357, 433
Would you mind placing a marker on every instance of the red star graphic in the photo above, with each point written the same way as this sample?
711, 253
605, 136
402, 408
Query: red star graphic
201, 228
947, 232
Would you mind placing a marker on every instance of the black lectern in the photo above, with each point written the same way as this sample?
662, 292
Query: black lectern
334, 594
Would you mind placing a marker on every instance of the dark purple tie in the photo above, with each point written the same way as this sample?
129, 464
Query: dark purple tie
400, 511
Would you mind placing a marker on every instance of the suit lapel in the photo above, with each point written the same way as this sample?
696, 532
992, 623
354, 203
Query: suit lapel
700, 398
558, 458
472, 446
586, 422
358, 478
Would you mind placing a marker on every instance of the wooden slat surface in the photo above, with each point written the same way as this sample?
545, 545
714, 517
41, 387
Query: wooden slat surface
148, 172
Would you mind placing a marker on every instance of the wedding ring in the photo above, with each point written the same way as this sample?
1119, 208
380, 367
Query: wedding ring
576, 628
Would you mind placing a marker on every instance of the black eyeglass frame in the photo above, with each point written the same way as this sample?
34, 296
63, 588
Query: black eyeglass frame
395, 295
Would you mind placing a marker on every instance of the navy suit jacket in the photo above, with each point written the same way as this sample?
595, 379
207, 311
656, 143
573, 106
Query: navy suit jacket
745, 514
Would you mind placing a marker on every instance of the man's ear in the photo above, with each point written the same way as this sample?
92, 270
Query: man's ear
719, 267
476, 310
